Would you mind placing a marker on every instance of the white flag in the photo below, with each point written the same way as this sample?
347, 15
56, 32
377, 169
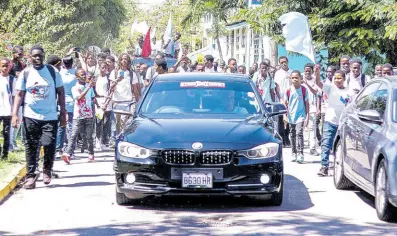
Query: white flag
169, 35
298, 37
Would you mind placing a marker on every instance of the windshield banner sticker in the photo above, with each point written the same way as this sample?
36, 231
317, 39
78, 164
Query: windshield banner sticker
205, 84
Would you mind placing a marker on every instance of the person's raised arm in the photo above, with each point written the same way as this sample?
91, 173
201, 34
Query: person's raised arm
317, 69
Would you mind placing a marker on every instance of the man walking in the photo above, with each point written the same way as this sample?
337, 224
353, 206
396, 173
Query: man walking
38, 87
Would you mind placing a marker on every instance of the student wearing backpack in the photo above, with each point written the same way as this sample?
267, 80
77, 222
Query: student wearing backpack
296, 100
6, 81
355, 80
40, 89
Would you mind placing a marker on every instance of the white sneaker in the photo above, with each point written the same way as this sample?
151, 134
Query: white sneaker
98, 146
104, 148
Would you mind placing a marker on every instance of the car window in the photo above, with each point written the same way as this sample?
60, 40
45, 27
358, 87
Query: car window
365, 96
379, 100
201, 97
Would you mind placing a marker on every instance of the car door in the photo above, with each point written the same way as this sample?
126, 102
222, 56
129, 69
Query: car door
371, 133
352, 134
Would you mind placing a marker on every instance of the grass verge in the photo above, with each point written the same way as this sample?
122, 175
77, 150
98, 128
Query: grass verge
14, 162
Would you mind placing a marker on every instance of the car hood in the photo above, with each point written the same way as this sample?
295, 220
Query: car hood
182, 133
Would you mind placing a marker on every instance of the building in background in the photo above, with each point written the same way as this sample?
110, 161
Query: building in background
240, 41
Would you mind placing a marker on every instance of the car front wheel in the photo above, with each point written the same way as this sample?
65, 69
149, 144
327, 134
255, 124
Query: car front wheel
384, 209
340, 180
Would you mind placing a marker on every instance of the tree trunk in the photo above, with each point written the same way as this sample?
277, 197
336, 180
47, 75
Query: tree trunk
219, 49
274, 49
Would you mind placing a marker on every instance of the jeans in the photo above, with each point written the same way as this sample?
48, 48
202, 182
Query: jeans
62, 133
84, 127
297, 130
39, 133
6, 120
103, 128
329, 133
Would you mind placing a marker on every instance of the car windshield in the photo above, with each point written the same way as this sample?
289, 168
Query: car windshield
201, 98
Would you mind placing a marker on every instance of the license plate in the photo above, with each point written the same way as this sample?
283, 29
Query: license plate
196, 180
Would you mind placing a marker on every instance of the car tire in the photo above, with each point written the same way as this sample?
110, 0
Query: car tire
340, 180
384, 209
123, 200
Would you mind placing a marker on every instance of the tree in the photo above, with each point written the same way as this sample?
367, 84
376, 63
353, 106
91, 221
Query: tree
221, 10
354, 27
59, 24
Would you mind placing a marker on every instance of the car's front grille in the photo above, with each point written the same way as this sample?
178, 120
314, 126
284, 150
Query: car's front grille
215, 157
180, 157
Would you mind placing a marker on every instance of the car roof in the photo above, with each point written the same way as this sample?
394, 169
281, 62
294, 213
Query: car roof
391, 79
200, 76
150, 61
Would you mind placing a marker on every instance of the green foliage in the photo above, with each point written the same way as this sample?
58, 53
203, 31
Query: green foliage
59, 24
353, 27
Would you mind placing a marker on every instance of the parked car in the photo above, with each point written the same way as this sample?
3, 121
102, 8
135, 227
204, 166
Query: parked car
366, 145
200, 134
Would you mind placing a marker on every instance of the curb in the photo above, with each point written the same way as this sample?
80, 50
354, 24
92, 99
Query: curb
12, 184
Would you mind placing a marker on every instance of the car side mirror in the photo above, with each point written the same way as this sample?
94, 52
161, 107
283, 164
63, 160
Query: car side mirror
370, 116
277, 109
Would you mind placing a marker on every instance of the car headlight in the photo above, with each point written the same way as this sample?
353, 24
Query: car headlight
134, 151
262, 151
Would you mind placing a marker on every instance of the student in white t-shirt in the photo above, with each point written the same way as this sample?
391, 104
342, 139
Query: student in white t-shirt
125, 86
5, 105
338, 98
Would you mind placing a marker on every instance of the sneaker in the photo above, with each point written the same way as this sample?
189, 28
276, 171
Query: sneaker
323, 171
66, 158
30, 182
58, 156
314, 152
294, 156
91, 157
46, 177
104, 148
300, 159
98, 146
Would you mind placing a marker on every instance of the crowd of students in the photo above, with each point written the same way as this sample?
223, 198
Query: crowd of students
70, 100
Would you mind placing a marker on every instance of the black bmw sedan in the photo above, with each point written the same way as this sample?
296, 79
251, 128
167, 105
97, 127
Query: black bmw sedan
366, 145
200, 134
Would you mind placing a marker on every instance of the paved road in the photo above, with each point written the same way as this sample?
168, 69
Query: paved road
82, 202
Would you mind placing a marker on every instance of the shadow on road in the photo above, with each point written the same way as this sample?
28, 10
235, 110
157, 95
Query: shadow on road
237, 224
80, 184
296, 197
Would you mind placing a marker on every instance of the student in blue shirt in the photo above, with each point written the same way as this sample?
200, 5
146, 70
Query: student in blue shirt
296, 99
